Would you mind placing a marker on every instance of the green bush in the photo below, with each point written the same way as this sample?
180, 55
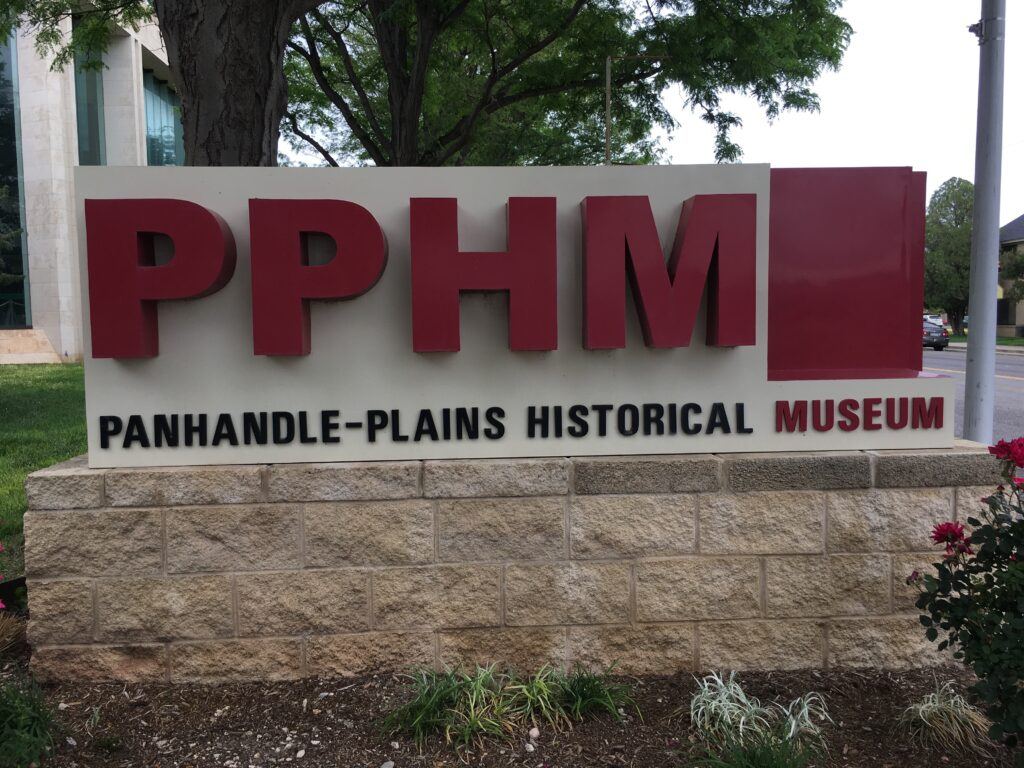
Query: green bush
25, 725
974, 601
467, 707
761, 753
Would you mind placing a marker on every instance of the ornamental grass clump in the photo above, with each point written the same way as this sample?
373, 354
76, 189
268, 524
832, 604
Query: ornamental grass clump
740, 730
760, 753
974, 599
26, 724
465, 708
946, 721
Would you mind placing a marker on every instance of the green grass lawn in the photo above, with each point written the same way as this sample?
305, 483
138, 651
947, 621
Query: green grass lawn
1001, 341
42, 421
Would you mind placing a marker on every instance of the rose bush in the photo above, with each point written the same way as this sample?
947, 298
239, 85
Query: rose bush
974, 601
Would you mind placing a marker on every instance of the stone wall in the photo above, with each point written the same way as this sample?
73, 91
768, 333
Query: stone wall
658, 563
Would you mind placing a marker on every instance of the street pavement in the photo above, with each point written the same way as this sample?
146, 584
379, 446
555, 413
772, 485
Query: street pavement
1009, 416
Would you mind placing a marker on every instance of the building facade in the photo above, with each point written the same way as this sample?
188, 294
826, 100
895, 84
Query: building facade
1010, 313
121, 110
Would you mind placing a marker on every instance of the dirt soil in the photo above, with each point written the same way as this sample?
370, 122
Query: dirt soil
334, 722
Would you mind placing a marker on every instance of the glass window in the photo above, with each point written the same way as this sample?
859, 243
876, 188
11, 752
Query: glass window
92, 144
164, 141
14, 297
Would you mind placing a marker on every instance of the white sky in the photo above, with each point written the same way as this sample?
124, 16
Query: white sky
906, 94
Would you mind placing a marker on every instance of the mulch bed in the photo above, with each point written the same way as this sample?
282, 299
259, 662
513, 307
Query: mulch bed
334, 722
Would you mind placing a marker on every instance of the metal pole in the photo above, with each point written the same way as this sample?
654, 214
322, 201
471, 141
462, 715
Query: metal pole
979, 399
608, 111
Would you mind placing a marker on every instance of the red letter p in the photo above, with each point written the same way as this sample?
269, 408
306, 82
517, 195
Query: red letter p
124, 282
283, 282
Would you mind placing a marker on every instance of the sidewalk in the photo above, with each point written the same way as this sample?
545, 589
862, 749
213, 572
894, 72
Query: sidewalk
1004, 349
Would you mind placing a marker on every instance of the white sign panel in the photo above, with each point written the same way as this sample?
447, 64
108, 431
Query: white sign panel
363, 392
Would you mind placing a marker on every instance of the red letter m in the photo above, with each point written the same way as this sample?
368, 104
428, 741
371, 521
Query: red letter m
714, 245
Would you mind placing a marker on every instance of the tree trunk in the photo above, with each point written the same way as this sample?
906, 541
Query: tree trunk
227, 60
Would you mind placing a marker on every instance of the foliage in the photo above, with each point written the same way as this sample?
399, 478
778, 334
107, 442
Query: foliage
94, 23
723, 715
509, 82
721, 711
1011, 267
467, 707
42, 422
25, 725
12, 631
947, 262
763, 752
945, 721
975, 598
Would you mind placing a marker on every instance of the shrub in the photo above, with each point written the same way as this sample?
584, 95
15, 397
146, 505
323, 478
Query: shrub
586, 694
12, 632
723, 715
25, 725
974, 601
947, 722
761, 753
467, 707
463, 707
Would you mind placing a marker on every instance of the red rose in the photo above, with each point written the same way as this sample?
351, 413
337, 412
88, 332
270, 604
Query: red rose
1012, 451
947, 533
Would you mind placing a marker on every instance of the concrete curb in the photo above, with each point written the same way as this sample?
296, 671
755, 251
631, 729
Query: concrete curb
1003, 350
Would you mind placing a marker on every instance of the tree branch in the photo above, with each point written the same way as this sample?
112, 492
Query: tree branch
353, 78
310, 140
312, 58
463, 129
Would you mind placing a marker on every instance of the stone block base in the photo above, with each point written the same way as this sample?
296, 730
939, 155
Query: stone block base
657, 564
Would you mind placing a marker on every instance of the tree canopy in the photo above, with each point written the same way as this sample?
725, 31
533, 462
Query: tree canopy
947, 262
503, 82
432, 82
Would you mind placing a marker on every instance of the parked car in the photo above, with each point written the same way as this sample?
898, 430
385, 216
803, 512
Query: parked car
934, 336
937, 320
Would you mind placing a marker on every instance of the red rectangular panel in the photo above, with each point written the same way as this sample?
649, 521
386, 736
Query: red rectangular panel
845, 273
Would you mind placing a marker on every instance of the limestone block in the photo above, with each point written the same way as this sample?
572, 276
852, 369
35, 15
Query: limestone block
68, 485
895, 642
646, 649
436, 596
498, 477
797, 471
745, 645
771, 522
60, 611
647, 474
523, 649
968, 501
235, 538
369, 533
886, 520
935, 467
164, 608
501, 529
698, 588
348, 655
836, 585
574, 593
344, 481
296, 602
177, 486
105, 542
130, 663
225, 660
626, 525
